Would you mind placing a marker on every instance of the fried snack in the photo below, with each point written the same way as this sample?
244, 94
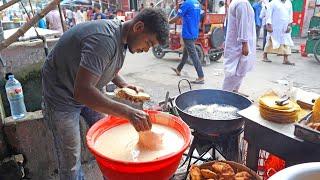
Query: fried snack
316, 111
195, 173
131, 95
206, 173
315, 126
224, 170
243, 175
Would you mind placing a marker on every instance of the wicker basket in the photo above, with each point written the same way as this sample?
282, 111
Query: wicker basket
235, 166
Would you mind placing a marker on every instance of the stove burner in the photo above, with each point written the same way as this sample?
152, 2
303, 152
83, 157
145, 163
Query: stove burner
226, 144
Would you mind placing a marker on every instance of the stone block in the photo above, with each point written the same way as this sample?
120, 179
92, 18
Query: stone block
30, 137
21, 54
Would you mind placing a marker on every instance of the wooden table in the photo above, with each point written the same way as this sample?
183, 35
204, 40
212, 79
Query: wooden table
277, 139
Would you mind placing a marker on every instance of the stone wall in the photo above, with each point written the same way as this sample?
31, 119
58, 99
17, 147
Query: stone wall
21, 58
21, 54
30, 137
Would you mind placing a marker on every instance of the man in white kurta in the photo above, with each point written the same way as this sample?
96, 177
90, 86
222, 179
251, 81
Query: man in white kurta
240, 44
279, 21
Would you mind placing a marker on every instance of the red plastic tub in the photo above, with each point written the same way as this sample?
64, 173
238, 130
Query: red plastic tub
160, 169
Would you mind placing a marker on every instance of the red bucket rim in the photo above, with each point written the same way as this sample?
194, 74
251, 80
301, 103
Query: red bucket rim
94, 128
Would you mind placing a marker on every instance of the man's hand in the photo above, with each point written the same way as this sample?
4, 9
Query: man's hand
245, 49
136, 88
269, 28
288, 29
139, 119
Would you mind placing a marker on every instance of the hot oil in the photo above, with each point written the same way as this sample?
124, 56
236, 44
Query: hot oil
213, 111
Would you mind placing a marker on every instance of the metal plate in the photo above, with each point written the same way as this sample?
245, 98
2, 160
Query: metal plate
305, 171
306, 133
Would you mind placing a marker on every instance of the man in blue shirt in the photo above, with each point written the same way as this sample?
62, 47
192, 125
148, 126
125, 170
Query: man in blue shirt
98, 14
257, 7
189, 11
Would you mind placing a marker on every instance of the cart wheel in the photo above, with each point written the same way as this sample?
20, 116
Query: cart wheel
158, 52
215, 54
200, 54
316, 50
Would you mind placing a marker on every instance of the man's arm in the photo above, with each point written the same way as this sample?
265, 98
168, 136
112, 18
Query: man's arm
242, 21
119, 81
85, 92
181, 11
174, 19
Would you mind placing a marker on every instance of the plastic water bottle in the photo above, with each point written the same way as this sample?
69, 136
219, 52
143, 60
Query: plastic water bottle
15, 98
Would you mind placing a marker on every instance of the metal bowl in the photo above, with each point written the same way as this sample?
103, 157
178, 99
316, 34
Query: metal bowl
305, 171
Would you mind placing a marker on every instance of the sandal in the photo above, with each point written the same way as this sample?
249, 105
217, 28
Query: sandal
289, 63
178, 73
266, 60
197, 81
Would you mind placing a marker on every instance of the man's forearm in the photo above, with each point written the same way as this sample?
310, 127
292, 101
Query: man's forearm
100, 102
119, 81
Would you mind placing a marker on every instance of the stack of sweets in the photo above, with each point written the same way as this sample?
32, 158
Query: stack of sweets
270, 110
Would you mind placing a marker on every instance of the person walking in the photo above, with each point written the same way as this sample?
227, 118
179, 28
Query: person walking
189, 11
279, 22
240, 44
263, 16
257, 7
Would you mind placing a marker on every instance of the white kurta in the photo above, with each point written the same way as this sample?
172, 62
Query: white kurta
279, 15
240, 28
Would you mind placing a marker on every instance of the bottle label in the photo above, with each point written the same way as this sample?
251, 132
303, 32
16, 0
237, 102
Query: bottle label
15, 93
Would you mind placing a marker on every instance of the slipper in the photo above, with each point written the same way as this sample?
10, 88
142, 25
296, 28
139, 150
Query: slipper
178, 73
289, 63
266, 60
197, 81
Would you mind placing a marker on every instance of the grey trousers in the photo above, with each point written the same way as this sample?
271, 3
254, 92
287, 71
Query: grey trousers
190, 50
66, 132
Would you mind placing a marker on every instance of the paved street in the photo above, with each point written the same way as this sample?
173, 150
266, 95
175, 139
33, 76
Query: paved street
156, 76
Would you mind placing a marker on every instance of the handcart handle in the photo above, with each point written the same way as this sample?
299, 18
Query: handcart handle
181, 81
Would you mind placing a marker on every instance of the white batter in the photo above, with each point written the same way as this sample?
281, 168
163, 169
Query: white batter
120, 143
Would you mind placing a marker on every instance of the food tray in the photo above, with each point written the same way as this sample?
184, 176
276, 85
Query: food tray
237, 167
306, 133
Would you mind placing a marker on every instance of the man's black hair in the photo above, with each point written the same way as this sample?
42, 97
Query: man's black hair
97, 6
155, 21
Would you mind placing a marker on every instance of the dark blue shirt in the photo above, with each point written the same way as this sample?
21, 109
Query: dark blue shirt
190, 14
99, 16
257, 7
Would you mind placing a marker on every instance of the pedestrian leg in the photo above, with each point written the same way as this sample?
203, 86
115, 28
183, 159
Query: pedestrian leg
184, 59
232, 83
264, 36
191, 48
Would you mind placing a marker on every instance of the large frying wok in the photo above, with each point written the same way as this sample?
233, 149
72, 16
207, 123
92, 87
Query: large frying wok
211, 96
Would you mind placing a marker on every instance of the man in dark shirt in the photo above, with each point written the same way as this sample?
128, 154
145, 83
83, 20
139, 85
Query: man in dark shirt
98, 14
84, 60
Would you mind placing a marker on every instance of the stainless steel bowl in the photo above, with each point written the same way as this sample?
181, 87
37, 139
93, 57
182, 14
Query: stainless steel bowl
305, 171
